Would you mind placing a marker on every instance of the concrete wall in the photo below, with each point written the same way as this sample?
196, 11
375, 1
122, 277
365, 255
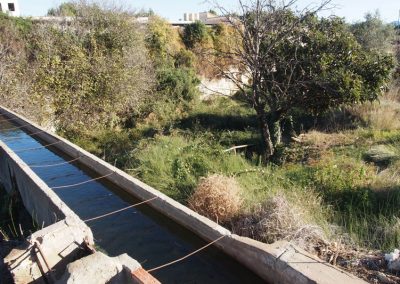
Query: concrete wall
216, 87
277, 263
40, 201
222, 86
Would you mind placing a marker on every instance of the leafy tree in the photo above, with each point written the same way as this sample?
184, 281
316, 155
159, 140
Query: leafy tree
68, 9
176, 80
194, 34
162, 41
145, 13
93, 74
299, 62
374, 34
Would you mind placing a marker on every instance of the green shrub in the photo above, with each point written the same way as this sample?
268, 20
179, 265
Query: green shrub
174, 164
194, 34
162, 41
177, 84
67, 9
184, 59
91, 74
111, 145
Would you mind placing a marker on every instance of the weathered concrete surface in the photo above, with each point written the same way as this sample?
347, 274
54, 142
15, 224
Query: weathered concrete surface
216, 87
282, 262
39, 200
99, 268
274, 263
60, 244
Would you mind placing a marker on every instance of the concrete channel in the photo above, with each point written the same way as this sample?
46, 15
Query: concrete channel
154, 233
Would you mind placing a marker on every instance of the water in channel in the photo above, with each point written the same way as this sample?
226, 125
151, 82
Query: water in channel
141, 232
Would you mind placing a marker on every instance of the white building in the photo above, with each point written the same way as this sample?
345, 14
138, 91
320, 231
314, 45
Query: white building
205, 17
10, 7
191, 17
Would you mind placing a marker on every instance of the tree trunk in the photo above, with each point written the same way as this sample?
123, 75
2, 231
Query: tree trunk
266, 135
292, 131
276, 132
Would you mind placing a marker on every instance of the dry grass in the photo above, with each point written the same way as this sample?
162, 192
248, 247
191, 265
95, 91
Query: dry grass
383, 115
217, 197
389, 177
278, 219
326, 140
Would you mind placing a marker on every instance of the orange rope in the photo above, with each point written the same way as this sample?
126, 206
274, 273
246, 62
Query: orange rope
80, 183
186, 256
120, 210
37, 148
54, 165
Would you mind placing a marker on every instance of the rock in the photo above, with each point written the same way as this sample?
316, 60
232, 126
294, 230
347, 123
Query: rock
100, 268
393, 260
392, 256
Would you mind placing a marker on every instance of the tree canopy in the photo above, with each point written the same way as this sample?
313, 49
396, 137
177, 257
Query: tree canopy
297, 61
194, 34
67, 9
374, 34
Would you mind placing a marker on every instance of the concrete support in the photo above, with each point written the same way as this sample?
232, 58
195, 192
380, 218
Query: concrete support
59, 254
47, 252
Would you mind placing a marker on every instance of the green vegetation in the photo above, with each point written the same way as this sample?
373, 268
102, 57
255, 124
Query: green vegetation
297, 62
64, 10
15, 222
374, 34
194, 34
129, 94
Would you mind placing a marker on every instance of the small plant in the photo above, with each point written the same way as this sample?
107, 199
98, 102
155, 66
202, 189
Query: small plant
15, 221
217, 197
3, 235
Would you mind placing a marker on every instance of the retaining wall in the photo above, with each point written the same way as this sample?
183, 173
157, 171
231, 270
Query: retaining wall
280, 262
39, 200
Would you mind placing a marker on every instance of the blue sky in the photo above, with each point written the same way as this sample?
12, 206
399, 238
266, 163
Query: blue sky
352, 10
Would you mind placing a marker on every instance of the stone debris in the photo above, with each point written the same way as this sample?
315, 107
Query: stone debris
51, 248
393, 260
100, 268
392, 256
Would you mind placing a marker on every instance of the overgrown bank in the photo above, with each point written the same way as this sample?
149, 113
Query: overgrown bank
128, 94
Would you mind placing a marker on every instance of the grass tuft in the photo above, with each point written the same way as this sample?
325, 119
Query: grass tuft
277, 218
217, 197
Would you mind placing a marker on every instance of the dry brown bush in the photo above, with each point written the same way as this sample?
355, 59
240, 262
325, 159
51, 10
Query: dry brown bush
278, 219
217, 197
